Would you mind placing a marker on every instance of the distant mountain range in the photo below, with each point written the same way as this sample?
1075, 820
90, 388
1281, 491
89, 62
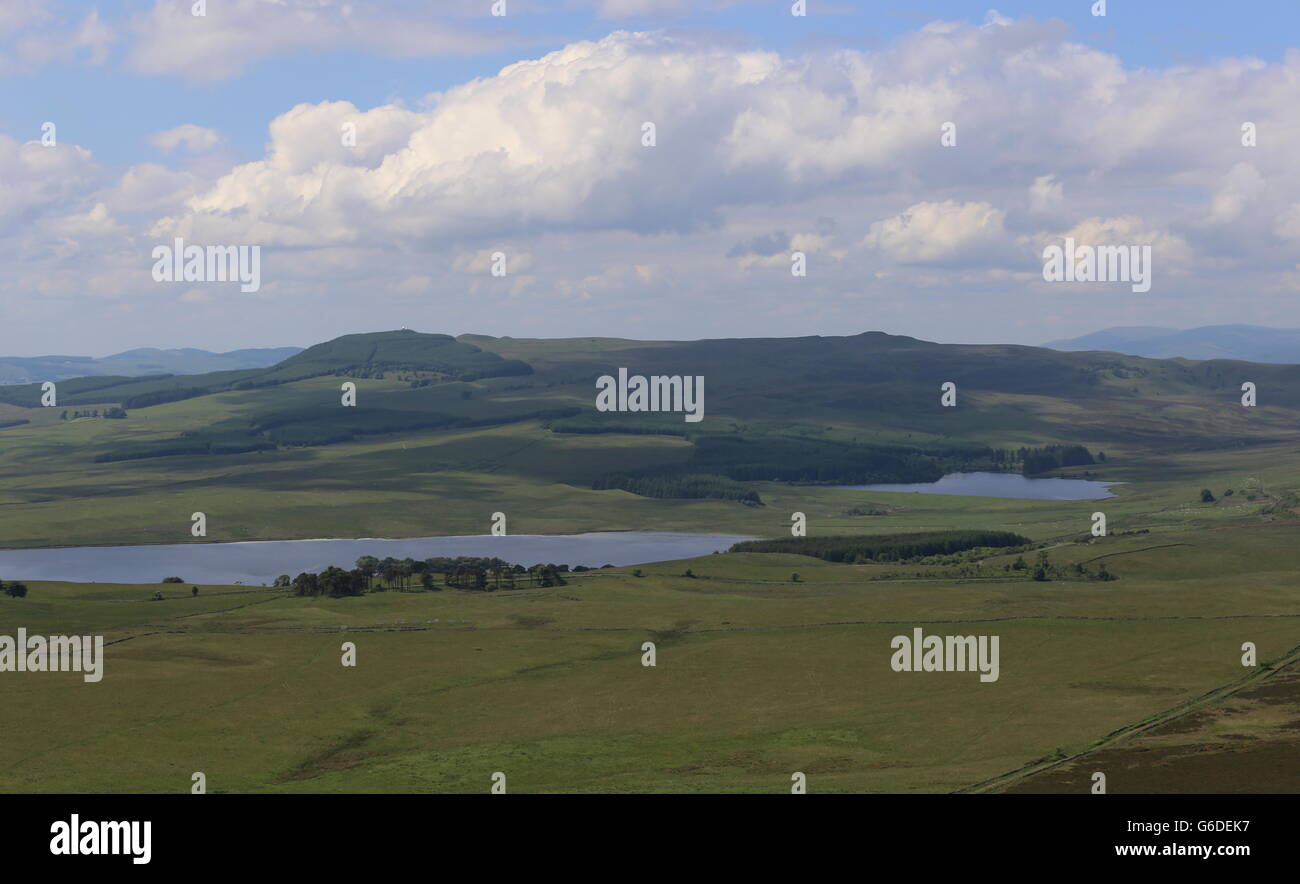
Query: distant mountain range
137, 363
1251, 343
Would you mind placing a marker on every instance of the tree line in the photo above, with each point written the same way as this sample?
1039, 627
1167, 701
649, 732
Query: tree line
306, 426
720, 463
112, 413
1049, 457
687, 486
372, 574
884, 547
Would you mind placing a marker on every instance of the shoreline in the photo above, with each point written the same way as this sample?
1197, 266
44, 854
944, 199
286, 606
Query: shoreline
134, 544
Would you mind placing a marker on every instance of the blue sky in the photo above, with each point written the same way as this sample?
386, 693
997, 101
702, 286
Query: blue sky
111, 107
812, 134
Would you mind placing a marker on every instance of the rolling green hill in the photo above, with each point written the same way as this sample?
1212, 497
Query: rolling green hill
362, 355
445, 431
772, 658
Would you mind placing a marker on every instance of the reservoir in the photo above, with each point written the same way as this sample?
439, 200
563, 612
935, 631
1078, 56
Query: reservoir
1001, 485
256, 562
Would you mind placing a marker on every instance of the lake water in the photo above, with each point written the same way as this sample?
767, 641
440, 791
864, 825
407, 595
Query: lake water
257, 562
1001, 485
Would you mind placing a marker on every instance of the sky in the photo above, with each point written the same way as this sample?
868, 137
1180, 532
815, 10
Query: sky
920, 159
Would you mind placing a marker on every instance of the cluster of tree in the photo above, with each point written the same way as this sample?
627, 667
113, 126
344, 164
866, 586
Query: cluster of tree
333, 582
1286, 504
113, 413
401, 573
1100, 574
884, 547
14, 590
719, 461
1044, 570
665, 484
172, 580
13, 423
461, 572
510, 577
186, 444
1050, 457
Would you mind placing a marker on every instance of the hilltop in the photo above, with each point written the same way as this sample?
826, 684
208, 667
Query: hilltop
360, 355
